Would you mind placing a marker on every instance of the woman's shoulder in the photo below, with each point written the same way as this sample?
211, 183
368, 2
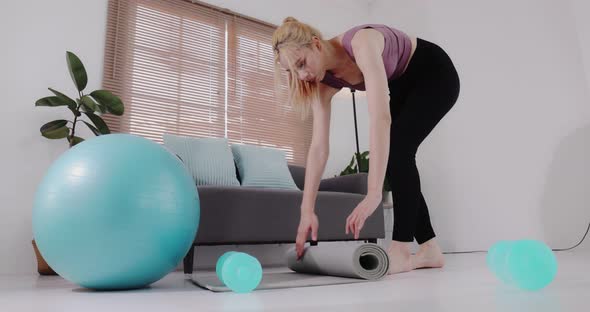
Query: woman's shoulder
353, 30
346, 37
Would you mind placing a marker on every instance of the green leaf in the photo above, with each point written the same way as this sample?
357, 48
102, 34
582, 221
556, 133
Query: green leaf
364, 165
351, 162
71, 103
51, 101
112, 102
348, 170
101, 126
101, 109
358, 161
75, 140
88, 103
77, 71
55, 129
64, 97
93, 128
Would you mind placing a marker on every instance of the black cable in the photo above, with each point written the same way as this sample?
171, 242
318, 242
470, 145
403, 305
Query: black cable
557, 249
576, 245
356, 134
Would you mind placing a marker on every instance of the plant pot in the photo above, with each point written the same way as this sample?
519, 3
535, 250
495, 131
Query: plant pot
42, 267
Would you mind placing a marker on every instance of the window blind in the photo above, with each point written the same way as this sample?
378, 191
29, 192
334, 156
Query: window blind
192, 69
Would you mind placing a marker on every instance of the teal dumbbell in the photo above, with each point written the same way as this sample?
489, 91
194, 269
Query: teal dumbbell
496, 260
527, 264
239, 271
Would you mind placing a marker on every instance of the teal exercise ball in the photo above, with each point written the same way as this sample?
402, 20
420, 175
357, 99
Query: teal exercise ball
116, 211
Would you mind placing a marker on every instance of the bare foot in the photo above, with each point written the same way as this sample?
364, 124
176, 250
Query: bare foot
399, 257
429, 256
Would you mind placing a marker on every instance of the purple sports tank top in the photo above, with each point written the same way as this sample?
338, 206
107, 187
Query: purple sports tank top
396, 54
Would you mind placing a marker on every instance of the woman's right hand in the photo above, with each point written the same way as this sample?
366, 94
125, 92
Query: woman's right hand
308, 222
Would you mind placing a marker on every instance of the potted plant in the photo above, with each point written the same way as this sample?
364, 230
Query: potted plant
91, 105
360, 163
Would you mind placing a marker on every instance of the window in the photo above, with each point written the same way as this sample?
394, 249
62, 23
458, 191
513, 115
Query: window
196, 70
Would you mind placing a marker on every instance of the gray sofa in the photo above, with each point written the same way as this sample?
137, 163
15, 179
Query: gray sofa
245, 215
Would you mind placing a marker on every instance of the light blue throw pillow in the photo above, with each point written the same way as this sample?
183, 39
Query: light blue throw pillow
209, 160
262, 167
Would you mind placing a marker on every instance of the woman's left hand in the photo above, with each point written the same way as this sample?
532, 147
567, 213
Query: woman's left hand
363, 210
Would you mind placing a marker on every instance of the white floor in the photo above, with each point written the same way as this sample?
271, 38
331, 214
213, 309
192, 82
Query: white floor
464, 284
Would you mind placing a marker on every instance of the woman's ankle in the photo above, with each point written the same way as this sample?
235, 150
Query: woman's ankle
400, 257
404, 246
429, 243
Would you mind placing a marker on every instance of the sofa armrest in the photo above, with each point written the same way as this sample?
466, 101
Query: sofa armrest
351, 183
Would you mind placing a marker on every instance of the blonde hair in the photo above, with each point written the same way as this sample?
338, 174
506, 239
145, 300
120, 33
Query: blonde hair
293, 34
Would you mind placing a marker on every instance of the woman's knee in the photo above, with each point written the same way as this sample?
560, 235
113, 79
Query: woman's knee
401, 156
401, 168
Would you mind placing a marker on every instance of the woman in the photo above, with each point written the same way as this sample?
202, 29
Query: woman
410, 83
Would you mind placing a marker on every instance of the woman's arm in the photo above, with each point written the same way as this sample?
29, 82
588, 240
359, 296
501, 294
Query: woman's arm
367, 45
316, 163
319, 148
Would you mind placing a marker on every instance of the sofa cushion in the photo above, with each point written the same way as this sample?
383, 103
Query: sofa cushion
209, 160
298, 174
262, 167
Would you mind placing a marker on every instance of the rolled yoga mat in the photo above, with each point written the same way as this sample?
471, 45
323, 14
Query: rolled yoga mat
364, 261
324, 264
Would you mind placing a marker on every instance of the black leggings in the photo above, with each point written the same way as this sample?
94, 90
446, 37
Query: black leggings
419, 99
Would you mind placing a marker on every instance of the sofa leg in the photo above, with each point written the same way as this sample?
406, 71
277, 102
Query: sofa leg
188, 260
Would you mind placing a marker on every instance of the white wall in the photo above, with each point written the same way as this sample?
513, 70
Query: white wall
581, 11
35, 37
508, 161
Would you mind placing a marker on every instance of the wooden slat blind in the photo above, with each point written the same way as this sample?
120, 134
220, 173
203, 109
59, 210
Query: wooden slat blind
189, 69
